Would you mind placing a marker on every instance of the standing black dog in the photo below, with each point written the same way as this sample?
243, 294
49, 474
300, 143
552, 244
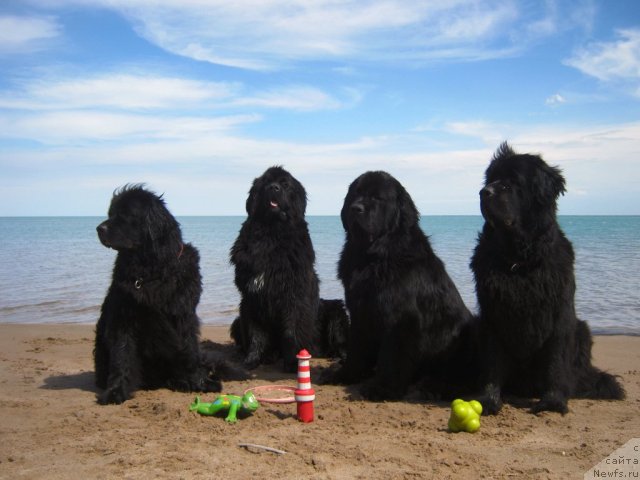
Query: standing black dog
406, 314
534, 345
147, 334
274, 272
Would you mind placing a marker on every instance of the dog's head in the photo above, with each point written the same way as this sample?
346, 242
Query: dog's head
137, 219
520, 191
276, 196
377, 207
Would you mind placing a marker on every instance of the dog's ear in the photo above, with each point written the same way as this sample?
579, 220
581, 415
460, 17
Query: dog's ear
409, 215
251, 199
401, 219
346, 205
298, 199
162, 227
548, 183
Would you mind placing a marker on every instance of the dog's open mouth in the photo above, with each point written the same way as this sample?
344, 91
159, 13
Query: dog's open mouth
273, 204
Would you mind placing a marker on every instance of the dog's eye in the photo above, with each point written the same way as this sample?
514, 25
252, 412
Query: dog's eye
504, 187
122, 217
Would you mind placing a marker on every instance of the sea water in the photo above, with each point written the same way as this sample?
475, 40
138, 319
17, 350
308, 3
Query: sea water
54, 269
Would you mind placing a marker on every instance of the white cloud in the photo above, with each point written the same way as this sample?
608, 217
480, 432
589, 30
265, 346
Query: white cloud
300, 98
612, 61
555, 99
489, 133
136, 92
617, 142
84, 127
599, 158
118, 90
271, 34
275, 33
473, 22
20, 34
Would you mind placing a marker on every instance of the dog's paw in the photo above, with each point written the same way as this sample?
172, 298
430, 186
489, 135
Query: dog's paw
490, 406
326, 377
200, 381
491, 400
376, 392
334, 375
113, 396
210, 384
552, 402
252, 361
290, 366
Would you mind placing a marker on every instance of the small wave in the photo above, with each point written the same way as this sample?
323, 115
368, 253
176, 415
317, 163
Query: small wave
615, 330
82, 310
17, 308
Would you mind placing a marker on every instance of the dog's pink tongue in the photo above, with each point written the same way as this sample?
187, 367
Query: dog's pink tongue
273, 204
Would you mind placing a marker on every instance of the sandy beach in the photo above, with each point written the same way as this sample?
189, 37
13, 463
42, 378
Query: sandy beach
51, 426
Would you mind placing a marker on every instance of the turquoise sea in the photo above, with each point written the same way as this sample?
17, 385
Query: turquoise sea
54, 269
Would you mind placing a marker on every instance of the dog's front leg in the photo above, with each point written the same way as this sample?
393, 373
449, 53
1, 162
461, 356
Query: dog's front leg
361, 355
299, 332
495, 370
124, 372
555, 384
257, 347
395, 366
195, 369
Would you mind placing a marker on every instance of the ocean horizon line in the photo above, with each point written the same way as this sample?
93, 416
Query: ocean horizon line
560, 215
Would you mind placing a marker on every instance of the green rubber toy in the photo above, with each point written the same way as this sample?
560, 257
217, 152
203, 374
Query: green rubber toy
247, 404
465, 416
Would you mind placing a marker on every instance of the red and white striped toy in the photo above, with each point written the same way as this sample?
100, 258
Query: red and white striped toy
304, 394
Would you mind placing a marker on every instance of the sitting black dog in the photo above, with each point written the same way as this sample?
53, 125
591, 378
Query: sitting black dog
533, 344
148, 333
280, 309
407, 316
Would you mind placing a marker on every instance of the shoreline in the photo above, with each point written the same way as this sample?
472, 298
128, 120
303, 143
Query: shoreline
597, 332
53, 428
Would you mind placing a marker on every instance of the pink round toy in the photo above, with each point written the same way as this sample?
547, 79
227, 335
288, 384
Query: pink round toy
261, 389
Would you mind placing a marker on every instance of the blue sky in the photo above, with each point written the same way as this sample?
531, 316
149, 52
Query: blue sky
198, 97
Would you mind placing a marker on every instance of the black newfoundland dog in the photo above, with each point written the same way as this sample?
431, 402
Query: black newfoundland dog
407, 316
280, 308
533, 344
147, 334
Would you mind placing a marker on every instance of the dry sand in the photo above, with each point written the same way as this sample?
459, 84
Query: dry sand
51, 426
